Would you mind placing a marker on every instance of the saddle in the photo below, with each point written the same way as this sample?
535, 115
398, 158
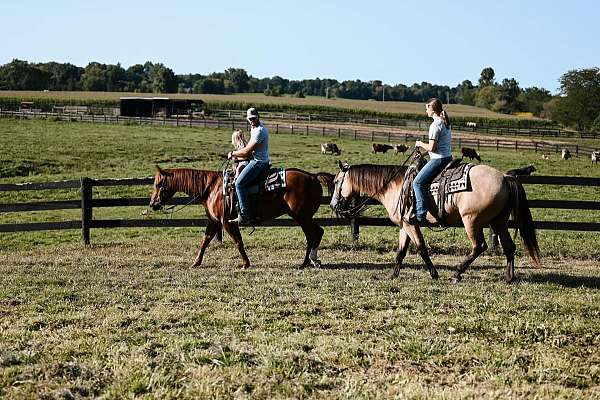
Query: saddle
270, 180
453, 178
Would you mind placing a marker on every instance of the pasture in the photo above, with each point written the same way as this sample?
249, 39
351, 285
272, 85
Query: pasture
128, 317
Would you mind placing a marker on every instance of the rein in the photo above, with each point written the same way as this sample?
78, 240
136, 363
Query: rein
359, 208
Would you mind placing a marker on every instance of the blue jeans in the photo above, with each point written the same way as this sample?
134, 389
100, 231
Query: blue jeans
422, 181
243, 182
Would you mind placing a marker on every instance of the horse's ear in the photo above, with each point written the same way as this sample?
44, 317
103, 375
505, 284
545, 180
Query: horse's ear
158, 169
344, 166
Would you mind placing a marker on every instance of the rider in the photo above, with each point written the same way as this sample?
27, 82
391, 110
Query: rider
257, 150
440, 154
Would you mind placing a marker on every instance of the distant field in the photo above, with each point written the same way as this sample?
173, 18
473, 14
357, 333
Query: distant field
403, 107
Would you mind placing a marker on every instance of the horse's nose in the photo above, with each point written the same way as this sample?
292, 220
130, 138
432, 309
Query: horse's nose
155, 205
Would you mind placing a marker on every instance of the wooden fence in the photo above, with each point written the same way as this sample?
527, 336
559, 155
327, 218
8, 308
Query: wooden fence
86, 203
309, 129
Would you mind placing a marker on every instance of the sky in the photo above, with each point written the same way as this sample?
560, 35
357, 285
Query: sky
437, 41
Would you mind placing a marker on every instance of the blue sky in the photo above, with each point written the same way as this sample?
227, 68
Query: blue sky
438, 41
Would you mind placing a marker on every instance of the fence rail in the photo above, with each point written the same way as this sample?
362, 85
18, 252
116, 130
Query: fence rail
309, 129
87, 203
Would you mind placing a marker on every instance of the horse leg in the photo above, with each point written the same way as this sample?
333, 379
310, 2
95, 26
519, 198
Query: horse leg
508, 246
234, 232
314, 259
211, 229
313, 234
417, 237
476, 236
403, 243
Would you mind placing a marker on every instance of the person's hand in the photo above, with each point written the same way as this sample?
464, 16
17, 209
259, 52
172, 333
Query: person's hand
418, 143
230, 155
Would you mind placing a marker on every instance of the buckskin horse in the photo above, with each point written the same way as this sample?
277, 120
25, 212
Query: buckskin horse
491, 200
300, 199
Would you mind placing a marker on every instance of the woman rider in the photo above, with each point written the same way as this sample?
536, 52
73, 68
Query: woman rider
440, 154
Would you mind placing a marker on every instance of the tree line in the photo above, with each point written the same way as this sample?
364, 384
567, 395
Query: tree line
577, 105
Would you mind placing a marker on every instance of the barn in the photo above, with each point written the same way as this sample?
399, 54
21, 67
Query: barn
158, 106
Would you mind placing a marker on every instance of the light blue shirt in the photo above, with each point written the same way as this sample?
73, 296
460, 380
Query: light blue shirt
443, 135
260, 134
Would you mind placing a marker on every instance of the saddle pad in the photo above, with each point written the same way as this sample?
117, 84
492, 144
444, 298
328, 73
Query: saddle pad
457, 180
275, 179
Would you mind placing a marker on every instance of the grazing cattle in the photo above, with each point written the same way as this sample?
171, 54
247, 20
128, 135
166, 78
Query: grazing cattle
521, 171
401, 148
330, 148
595, 157
381, 148
471, 125
545, 157
470, 153
566, 154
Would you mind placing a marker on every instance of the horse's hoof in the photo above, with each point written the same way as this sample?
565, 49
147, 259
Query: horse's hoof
434, 275
456, 279
316, 263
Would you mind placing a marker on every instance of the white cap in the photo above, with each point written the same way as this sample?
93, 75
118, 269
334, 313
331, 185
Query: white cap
251, 113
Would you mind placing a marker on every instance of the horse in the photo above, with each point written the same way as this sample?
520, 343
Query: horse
300, 199
491, 200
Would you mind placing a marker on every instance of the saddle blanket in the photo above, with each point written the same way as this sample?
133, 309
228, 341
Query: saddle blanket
275, 180
457, 182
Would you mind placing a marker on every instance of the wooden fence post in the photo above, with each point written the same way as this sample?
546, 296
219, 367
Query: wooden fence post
323, 134
339, 132
277, 128
355, 229
496, 144
86, 209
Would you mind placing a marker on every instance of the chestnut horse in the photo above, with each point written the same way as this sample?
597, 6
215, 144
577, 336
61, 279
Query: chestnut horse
300, 199
490, 201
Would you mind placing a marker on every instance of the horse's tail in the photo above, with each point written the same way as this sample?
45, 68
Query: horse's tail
326, 179
523, 219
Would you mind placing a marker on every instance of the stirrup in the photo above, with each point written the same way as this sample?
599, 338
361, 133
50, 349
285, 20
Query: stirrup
240, 220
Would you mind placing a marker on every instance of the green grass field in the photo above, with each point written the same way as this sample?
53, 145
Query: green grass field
403, 107
127, 317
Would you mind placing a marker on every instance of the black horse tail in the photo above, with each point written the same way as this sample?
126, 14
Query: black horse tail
523, 219
326, 179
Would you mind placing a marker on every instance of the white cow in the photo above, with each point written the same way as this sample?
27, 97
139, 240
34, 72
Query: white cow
595, 157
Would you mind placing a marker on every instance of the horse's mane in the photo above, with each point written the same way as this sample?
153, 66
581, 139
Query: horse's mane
194, 181
371, 179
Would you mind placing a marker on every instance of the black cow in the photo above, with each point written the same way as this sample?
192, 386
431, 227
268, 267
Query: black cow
381, 148
330, 148
521, 171
470, 153
401, 148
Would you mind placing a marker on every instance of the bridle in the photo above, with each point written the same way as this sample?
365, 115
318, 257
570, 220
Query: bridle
359, 208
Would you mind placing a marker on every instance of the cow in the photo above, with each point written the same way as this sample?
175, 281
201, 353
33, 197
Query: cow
471, 125
470, 153
400, 148
330, 148
545, 157
595, 157
565, 154
521, 171
381, 148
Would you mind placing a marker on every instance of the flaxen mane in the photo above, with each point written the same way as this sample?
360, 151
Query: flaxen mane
373, 178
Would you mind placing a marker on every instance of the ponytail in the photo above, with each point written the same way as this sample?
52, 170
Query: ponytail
445, 118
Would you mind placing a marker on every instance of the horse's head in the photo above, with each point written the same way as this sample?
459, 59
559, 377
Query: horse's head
162, 190
343, 192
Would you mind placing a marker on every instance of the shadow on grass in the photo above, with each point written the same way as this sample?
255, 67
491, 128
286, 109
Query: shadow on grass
570, 281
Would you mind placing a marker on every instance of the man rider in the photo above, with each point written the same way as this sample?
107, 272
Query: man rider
257, 151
